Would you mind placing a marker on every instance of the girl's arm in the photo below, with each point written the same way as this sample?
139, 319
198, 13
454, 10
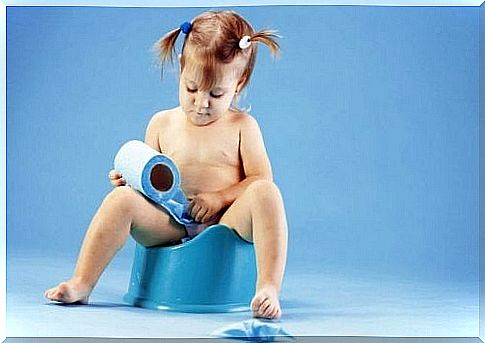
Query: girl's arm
255, 161
152, 132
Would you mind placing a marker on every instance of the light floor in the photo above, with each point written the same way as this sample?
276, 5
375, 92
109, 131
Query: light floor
314, 304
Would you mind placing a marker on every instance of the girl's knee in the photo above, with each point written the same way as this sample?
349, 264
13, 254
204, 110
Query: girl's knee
264, 190
121, 197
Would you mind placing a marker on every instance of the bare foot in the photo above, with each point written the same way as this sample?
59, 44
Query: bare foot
69, 292
265, 303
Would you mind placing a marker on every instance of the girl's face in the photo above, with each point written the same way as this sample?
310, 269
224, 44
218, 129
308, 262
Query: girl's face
203, 107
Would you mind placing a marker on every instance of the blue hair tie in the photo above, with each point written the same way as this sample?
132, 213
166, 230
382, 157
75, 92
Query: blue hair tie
186, 27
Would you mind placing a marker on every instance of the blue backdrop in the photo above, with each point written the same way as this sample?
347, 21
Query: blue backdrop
370, 118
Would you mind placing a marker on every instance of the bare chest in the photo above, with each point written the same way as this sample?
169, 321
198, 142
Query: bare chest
191, 149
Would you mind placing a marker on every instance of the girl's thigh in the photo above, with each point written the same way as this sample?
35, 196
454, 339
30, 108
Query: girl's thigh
238, 217
151, 224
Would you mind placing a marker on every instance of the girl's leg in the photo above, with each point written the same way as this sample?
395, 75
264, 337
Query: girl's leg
258, 215
122, 212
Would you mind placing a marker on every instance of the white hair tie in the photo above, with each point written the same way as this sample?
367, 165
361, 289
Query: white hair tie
245, 42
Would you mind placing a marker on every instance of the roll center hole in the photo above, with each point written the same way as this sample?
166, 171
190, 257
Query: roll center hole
161, 177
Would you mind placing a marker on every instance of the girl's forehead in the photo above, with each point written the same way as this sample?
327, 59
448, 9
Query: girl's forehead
222, 76
209, 73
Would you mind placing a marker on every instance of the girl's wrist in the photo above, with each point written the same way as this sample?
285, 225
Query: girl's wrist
223, 198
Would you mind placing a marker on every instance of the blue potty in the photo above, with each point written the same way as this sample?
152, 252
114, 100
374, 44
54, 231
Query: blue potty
214, 272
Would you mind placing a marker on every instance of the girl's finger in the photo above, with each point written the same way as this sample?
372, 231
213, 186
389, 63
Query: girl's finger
118, 182
114, 174
194, 210
198, 213
201, 214
190, 206
208, 216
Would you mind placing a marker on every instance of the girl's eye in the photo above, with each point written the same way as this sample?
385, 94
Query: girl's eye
193, 90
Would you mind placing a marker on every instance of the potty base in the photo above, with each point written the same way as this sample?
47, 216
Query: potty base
191, 308
214, 272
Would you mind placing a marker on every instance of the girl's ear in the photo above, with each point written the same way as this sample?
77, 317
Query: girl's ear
180, 65
240, 84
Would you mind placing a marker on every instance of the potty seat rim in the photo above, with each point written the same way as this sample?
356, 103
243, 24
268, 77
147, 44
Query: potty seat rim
208, 230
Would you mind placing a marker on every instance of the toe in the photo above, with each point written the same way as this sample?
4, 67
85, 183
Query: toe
51, 293
263, 307
54, 295
274, 314
255, 304
63, 291
264, 314
268, 311
47, 293
278, 313
60, 292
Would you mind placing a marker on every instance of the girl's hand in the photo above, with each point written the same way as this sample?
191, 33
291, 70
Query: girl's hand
116, 178
204, 206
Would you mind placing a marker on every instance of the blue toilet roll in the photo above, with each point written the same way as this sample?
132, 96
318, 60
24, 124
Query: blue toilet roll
156, 176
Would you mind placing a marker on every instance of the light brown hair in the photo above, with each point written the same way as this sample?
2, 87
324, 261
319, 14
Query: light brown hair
214, 40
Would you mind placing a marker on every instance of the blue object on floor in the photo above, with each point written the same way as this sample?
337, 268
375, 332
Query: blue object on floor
249, 330
214, 272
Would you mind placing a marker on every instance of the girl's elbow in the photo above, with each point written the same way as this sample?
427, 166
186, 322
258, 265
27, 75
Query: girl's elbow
266, 176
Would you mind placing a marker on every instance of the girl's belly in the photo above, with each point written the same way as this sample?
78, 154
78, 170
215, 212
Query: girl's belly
202, 178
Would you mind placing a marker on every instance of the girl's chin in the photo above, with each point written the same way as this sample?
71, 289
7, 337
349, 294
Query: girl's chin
201, 120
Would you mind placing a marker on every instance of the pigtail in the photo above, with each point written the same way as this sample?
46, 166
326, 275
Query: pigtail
268, 37
164, 48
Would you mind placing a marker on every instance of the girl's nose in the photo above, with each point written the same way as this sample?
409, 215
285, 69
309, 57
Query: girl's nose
201, 100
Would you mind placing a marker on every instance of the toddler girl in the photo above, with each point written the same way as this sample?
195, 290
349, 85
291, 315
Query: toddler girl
219, 151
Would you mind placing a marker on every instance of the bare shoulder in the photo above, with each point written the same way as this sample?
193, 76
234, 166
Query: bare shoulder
159, 124
244, 121
164, 117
